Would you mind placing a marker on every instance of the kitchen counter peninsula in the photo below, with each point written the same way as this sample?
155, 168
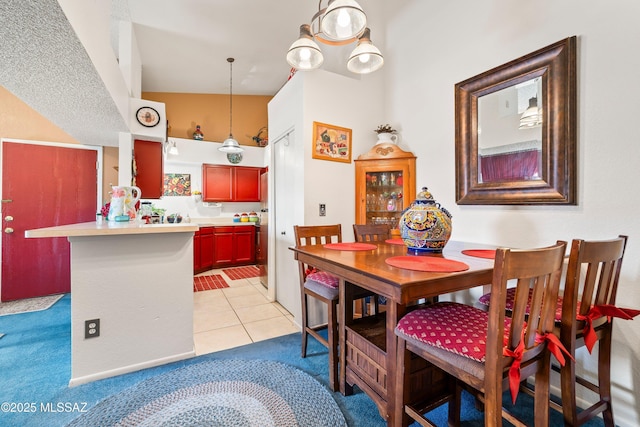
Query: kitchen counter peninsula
137, 279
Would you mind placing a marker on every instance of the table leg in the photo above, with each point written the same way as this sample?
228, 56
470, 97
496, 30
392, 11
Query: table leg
345, 317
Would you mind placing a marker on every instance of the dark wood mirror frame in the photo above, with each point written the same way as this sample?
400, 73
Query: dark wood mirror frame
556, 65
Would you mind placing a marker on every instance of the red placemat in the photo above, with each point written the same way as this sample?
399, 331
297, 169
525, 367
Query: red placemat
480, 253
355, 246
427, 263
395, 241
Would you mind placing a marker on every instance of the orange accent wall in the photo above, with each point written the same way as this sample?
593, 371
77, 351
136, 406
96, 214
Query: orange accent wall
19, 121
211, 112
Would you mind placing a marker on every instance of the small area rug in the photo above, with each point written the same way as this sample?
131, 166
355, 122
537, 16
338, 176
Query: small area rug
242, 272
207, 283
28, 305
221, 393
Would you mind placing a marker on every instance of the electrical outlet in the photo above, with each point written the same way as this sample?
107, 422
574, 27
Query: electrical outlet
92, 328
323, 209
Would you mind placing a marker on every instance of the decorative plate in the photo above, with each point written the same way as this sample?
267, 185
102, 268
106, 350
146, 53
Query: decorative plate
147, 116
234, 158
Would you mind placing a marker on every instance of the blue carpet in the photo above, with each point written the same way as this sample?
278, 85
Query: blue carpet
35, 363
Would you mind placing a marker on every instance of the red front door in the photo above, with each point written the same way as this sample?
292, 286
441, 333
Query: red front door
42, 186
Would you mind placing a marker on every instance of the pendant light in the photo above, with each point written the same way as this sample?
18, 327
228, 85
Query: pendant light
365, 58
230, 145
532, 116
340, 23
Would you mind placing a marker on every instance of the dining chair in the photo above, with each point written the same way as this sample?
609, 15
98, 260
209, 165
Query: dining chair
370, 233
486, 351
590, 289
323, 287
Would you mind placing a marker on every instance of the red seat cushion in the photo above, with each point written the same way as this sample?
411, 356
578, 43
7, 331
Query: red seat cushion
458, 328
486, 299
324, 278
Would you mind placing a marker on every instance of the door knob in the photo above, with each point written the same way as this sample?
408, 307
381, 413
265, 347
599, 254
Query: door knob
8, 218
8, 230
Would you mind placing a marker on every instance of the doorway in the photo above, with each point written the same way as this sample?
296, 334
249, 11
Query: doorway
43, 185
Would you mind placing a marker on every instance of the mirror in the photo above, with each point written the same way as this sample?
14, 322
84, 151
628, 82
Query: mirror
516, 131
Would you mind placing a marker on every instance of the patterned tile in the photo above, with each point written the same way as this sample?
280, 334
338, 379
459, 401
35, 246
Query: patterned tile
207, 283
242, 272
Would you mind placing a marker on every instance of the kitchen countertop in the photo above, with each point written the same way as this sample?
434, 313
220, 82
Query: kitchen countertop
212, 222
109, 228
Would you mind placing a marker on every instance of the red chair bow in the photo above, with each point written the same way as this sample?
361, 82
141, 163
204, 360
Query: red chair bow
596, 312
514, 370
553, 344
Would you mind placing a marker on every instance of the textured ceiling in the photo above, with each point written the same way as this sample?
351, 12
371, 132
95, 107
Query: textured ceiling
43, 63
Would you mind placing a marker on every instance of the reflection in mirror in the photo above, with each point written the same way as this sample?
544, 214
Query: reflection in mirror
510, 133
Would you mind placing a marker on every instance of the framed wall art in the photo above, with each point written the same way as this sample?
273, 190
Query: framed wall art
331, 143
177, 184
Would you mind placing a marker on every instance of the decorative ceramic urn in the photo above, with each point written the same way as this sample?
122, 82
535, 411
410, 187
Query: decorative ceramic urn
425, 226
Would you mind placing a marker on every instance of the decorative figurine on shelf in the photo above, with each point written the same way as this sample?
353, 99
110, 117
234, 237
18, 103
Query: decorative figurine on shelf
198, 134
259, 140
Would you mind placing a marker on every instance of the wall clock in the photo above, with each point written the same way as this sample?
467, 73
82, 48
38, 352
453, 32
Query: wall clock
147, 116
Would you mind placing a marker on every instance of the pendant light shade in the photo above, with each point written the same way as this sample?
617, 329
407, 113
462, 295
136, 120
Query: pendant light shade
532, 116
304, 53
365, 58
230, 145
343, 20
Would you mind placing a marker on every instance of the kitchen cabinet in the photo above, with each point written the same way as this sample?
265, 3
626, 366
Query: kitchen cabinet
221, 183
149, 169
234, 245
385, 185
215, 247
206, 248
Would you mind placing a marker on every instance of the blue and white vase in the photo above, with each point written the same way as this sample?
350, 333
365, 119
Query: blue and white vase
425, 226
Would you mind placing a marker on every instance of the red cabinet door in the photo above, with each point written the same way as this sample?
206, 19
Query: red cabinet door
217, 183
206, 248
149, 168
223, 238
196, 251
246, 184
245, 245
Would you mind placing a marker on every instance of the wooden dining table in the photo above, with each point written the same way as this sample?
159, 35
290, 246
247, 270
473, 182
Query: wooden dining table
368, 344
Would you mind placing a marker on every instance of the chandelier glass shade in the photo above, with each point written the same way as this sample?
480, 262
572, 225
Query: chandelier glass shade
341, 22
230, 145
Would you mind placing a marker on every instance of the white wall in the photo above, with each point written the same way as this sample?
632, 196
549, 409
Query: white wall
433, 45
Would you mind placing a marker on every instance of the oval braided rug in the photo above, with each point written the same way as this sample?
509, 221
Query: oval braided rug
221, 393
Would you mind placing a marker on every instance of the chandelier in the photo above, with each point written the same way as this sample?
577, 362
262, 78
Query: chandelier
341, 22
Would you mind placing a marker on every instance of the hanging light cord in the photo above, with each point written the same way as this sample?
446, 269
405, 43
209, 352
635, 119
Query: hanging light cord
230, 60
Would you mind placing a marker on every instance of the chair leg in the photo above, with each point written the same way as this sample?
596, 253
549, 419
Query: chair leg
568, 393
304, 325
604, 377
541, 402
332, 335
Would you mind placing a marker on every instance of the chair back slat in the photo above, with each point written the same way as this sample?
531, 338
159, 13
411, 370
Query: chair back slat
306, 235
371, 232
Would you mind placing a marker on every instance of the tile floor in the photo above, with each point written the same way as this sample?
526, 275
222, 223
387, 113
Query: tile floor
237, 315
